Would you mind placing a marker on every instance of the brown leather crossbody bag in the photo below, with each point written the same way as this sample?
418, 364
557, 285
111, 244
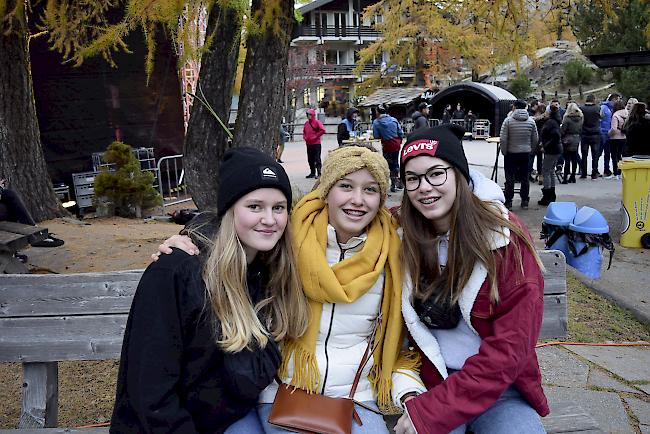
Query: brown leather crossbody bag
299, 411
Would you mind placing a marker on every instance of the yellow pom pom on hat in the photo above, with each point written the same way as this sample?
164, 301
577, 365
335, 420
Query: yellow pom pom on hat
348, 159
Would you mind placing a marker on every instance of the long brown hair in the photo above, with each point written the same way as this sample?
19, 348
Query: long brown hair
473, 224
236, 320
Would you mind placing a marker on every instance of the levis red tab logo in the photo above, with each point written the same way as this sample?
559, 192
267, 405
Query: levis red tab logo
425, 146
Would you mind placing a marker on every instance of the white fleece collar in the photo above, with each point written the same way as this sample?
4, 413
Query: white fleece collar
488, 191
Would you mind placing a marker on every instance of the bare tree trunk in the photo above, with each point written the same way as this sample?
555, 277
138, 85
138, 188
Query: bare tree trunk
262, 96
206, 140
21, 153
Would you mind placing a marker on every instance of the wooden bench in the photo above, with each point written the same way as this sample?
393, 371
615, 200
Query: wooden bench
13, 238
45, 319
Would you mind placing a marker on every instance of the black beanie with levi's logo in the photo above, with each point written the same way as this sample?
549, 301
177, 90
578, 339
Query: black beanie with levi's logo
244, 170
444, 142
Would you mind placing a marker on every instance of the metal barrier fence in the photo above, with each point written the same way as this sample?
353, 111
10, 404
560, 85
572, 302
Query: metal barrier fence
171, 186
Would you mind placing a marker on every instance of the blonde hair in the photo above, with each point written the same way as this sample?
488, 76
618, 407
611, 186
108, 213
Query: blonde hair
473, 223
573, 110
236, 321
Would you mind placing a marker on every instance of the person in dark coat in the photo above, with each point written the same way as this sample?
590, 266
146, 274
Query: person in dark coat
420, 117
347, 126
637, 131
552, 147
590, 137
199, 346
570, 129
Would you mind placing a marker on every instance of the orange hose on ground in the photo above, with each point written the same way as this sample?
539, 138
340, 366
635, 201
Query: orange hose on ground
587, 344
96, 425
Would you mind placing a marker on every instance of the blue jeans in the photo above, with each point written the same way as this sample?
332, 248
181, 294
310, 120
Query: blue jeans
604, 147
249, 424
372, 422
511, 414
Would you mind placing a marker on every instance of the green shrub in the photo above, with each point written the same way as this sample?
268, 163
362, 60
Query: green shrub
577, 72
520, 86
128, 187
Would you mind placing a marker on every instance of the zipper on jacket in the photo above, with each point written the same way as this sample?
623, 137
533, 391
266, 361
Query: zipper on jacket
329, 333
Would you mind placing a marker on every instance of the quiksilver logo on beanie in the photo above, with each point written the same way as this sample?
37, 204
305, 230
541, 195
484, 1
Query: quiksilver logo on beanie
267, 172
417, 147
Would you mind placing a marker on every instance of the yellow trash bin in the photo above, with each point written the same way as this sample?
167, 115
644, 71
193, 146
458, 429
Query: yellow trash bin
635, 231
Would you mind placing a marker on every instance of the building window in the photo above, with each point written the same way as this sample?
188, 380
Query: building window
356, 19
340, 24
306, 97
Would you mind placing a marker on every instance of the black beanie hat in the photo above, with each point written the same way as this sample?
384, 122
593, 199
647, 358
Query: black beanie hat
244, 170
443, 141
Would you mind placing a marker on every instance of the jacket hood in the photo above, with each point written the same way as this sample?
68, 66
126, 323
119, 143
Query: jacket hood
484, 188
350, 112
521, 115
416, 114
312, 112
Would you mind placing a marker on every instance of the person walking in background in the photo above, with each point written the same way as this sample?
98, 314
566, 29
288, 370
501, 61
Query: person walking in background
551, 139
518, 139
421, 116
590, 137
312, 133
606, 112
637, 131
282, 139
570, 132
389, 131
346, 129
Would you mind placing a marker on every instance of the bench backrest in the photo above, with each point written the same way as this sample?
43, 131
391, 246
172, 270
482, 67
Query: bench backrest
59, 317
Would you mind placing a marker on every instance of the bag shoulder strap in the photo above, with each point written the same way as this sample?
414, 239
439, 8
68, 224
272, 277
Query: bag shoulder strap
366, 356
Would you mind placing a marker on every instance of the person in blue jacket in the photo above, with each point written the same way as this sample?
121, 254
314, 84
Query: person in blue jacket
606, 112
389, 131
346, 129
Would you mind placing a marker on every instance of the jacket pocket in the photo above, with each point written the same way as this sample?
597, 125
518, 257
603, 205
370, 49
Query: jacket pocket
483, 307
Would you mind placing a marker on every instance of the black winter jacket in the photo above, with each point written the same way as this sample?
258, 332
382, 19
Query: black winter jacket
173, 377
419, 120
551, 136
591, 123
637, 136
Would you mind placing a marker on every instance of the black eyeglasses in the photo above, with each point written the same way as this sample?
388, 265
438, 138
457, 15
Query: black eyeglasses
435, 176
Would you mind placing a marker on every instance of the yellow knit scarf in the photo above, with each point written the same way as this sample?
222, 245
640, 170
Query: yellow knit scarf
345, 282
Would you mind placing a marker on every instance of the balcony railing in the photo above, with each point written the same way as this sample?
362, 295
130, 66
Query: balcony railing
344, 31
347, 70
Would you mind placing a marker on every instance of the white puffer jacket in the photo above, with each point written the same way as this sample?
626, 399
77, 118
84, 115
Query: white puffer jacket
342, 339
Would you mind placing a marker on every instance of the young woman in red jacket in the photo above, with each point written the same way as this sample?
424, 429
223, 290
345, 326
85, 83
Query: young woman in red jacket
474, 308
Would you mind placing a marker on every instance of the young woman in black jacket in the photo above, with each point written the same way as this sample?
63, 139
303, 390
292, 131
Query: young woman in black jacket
552, 147
200, 340
637, 131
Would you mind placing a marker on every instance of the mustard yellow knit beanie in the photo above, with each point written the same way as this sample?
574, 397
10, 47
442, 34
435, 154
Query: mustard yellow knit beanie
347, 159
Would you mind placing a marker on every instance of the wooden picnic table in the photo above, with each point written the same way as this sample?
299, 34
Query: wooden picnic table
13, 238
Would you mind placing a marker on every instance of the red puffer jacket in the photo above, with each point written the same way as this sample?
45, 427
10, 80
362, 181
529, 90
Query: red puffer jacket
313, 129
509, 331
